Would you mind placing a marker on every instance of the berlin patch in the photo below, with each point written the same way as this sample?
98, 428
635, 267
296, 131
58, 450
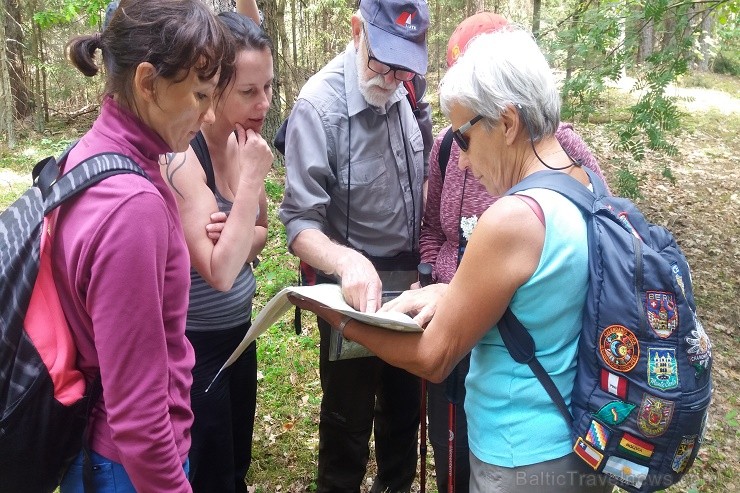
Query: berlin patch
654, 416
662, 314
619, 348
662, 369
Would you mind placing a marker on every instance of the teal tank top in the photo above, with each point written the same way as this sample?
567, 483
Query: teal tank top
511, 420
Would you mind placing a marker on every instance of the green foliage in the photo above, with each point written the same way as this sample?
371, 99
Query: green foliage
596, 44
727, 60
627, 183
66, 11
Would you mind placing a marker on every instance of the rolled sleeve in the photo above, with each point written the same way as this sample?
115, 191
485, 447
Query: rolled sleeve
308, 174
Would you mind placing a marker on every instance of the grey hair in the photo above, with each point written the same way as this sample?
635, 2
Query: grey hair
501, 69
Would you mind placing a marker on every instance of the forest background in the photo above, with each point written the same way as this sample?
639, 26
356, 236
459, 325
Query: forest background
651, 85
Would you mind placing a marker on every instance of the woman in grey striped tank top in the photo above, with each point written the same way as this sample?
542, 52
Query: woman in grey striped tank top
224, 171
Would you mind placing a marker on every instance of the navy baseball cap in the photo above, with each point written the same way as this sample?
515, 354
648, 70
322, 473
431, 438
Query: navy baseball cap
396, 31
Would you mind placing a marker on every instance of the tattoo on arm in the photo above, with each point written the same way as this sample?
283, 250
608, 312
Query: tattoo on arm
173, 162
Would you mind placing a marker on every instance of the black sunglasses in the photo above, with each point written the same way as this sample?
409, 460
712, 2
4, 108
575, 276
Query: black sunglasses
459, 134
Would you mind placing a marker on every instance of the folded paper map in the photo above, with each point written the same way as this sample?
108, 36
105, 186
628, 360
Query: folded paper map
329, 295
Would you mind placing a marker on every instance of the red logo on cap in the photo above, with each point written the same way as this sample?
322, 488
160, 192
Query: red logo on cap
405, 19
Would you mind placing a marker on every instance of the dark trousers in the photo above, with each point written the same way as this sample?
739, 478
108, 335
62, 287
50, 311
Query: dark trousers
358, 392
438, 399
221, 449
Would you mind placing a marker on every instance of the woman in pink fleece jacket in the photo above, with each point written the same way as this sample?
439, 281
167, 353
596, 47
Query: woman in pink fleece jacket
121, 263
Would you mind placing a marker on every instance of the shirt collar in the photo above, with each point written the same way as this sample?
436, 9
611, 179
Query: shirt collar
356, 102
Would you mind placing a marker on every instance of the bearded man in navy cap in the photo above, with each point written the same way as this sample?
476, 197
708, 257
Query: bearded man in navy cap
355, 158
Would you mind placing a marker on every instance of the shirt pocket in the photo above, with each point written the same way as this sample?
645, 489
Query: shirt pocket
369, 183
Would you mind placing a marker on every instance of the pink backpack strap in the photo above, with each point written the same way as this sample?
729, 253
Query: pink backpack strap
534, 205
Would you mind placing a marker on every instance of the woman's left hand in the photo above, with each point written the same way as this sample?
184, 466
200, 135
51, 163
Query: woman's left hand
420, 303
216, 226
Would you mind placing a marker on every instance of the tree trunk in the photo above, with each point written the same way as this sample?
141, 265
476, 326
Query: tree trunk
536, 7
707, 27
16, 60
575, 19
38, 110
647, 40
6, 117
274, 21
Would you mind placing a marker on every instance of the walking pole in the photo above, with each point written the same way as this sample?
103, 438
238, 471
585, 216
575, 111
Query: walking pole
425, 278
451, 391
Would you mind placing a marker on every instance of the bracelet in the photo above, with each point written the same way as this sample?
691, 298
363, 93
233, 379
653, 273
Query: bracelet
342, 325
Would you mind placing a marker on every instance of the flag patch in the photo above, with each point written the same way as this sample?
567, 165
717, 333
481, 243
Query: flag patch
634, 446
598, 435
614, 384
590, 455
624, 470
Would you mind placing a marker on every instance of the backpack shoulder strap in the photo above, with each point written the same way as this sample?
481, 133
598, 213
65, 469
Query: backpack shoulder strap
520, 344
516, 337
89, 172
204, 157
411, 94
279, 141
565, 185
444, 152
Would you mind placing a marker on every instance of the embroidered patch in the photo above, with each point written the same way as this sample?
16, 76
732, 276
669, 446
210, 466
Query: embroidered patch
654, 416
683, 453
662, 314
635, 447
626, 471
614, 384
679, 278
598, 435
619, 348
615, 412
590, 455
662, 368
699, 352
622, 216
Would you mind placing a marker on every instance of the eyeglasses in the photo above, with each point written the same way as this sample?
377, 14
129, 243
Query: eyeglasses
383, 68
459, 134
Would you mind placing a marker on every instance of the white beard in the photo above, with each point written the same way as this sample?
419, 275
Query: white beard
375, 90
